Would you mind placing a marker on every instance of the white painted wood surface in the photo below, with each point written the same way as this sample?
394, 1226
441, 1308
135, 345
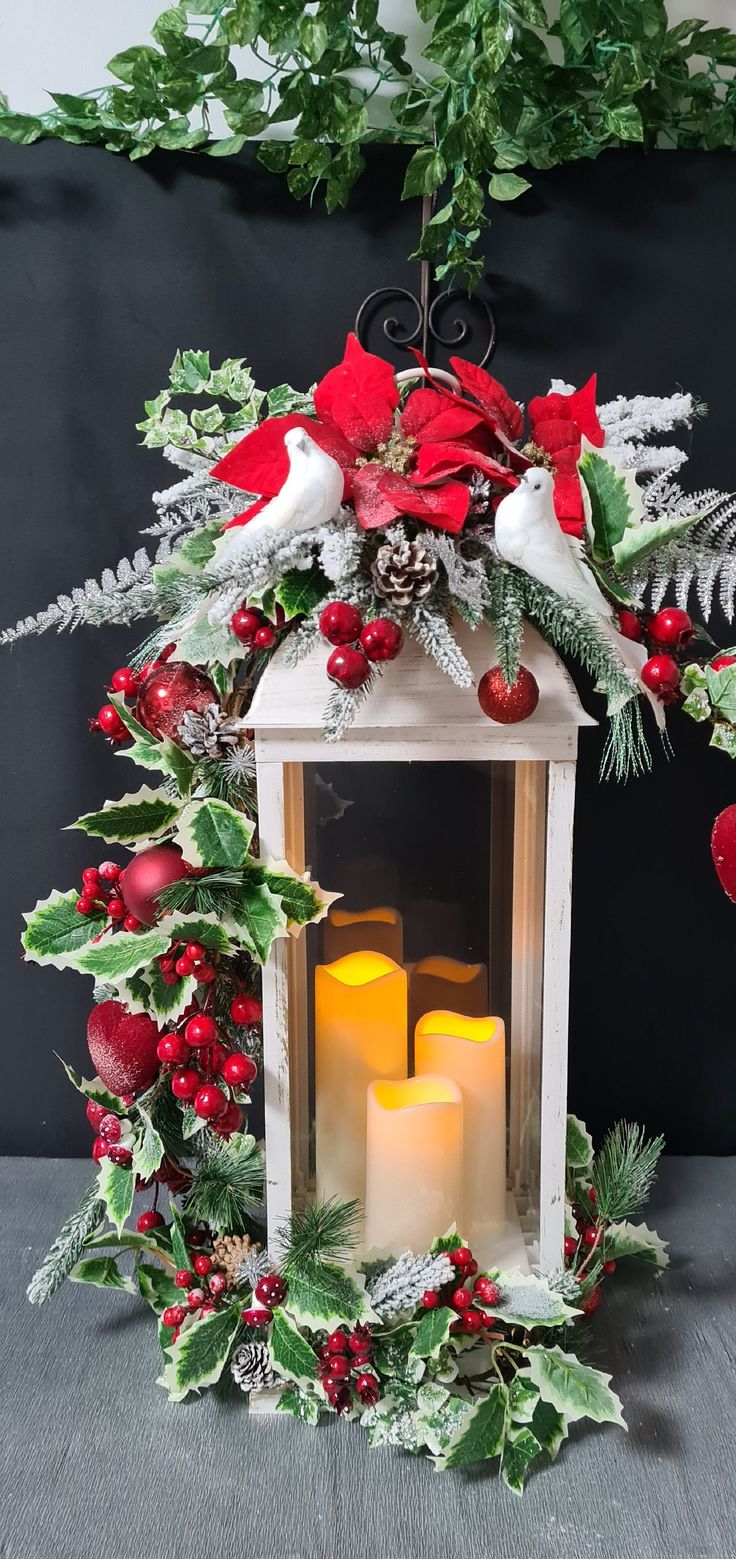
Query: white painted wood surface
527, 966
555, 1007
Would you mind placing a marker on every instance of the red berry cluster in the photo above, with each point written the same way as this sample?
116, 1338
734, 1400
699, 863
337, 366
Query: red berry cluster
201, 1084
269, 1292
110, 1129
668, 631
344, 1366
183, 959
254, 629
465, 1299
101, 891
128, 682
590, 1234
356, 644
203, 1285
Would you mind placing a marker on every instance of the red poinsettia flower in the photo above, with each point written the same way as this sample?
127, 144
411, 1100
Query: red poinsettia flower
393, 462
558, 423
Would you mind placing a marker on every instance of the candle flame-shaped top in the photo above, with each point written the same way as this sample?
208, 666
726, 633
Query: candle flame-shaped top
361, 968
404, 1093
480, 1030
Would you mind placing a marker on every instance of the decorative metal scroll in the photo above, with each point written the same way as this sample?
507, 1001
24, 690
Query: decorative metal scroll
407, 320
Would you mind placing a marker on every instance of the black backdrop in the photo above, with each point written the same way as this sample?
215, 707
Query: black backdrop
624, 265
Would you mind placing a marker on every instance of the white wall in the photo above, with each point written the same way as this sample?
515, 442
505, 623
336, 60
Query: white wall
62, 45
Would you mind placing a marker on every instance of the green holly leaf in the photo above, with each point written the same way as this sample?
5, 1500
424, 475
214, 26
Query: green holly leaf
519, 1449
480, 1434
116, 1188
323, 1296
291, 1355
157, 1286
179, 1249
94, 1089
611, 499
721, 686
523, 1399
134, 992
204, 928
432, 1332
638, 541
103, 1272
635, 1239
299, 1404
255, 917
121, 955
576, 1390
529, 1301
212, 833
200, 1353
301, 590
149, 1149
578, 1144
446, 1242
166, 1002
549, 1427
507, 186
56, 933
145, 814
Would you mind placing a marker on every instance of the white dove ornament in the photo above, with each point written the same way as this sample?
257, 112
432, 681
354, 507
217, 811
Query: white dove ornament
311, 494
528, 534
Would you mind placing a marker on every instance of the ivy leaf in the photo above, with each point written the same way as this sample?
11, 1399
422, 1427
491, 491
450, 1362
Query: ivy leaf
576, 1390
523, 1399
432, 1332
149, 1150
291, 1354
56, 932
635, 1239
301, 590
624, 121
394, 1356
299, 1404
200, 1353
116, 1188
439, 1416
425, 172
323, 1296
212, 833
144, 814
507, 186
22, 129
480, 1434
519, 1449
122, 954
578, 1144
612, 501
67, 1247
157, 1286
255, 917
103, 1272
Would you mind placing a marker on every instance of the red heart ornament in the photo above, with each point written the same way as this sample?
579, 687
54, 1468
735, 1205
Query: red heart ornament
723, 850
122, 1045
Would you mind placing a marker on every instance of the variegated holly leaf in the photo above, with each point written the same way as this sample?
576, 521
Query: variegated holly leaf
56, 933
519, 1448
167, 1002
148, 753
299, 1404
303, 902
94, 1089
576, 1390
103, 1272
255, 918
157, 1286
324, 1296
291, 1355
439, 1415
116, 1189
202, 641
149, 1149
119, 956
432, 1332
134, 992
611, 499
523, 1399
480, 1433
578, 1144
212, 833
200, 1353
529, 1301
206, 928
635, 1239
550, 1427
142, 814
638, 541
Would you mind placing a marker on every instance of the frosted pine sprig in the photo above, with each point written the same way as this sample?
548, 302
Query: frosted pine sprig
401, 1286
431, 630
636, 418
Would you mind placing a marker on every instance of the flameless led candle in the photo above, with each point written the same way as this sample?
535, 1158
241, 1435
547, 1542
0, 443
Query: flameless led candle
472, 1051
359, 1034
448, 985
414, 1163
379, 930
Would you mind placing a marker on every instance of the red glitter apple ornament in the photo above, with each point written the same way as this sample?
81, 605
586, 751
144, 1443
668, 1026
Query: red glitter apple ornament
145, 876
508, 702
168, 692
122, 1045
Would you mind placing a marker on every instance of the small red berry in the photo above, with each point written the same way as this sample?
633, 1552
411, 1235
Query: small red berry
120, 1155
461, 1299
184, 966
591, 1236
367, 1389
173, 1315
592, 1197
662, 676
231, 1120
110, 1127
204, 973
116, 909
109, 871
592, 1302
110, 722
239, 1070
719, 664
609, 1267
360, 1339
246, 1010
218, 1284
470, 1270
185, 1082
91, 877
85, 905
130, 923
430, 1300
257, 1316
217, 1057
201, 1030
488, 1320
100, 1149
571, 1245
337, 1342
339, 1367
381, 639
348, 668
169, 977
206, 1309
173, 1050
195, 951
150, 1220
184, 1278
472, 1321
95, 1113
245, 624
264, 638
340, 623
487, 1291
671, 626
175, 1334
629, 625
202, 1265
126, 681
461, 1256
210, 1102
195, 1298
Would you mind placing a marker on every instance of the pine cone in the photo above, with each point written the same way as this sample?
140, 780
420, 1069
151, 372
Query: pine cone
231, 1250
250, 1367
210, 733
403, 572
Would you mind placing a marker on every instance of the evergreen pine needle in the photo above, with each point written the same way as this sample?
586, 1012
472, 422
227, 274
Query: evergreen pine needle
227, 1183
506, 616
208, 895
324, 1230
623, 1171
67, 1247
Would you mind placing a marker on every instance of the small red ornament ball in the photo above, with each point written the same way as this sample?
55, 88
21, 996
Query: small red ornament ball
671, 626
120, 1156
381, 639
173, 1315
123, 1047
255, 1315
125, 680
246, 1010
367, 1389
629, 625
100, 1149
150, 1220
508, 702
661, 674
348, 667
231, 1120
202, 1265
239, 1070
245, 624
340, 623
168, 692
719, 664
430, 1300
270, 1290
339, 1367
146, 875
210, 1101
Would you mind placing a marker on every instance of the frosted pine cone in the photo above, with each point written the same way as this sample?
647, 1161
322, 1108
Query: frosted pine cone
404, 572
250, 1367
211, 733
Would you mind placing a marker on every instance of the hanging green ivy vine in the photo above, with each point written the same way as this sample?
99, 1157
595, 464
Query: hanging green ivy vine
501, 89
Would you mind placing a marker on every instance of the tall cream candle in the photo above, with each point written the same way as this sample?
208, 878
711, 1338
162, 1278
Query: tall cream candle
377, 930
414, 1163
359, 1034
437, 983
472, 1051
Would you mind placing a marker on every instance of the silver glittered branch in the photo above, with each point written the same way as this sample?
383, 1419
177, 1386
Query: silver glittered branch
401, 1286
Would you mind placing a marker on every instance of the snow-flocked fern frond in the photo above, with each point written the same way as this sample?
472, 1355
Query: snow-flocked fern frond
702, 560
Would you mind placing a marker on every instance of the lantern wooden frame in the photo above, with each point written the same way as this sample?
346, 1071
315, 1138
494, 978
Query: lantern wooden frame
417, 714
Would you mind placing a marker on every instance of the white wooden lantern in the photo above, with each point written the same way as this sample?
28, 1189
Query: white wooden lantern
421, 779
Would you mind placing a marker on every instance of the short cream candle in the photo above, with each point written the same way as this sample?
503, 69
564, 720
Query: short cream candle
414, 1163
472, 1051
359, 1034
377, 930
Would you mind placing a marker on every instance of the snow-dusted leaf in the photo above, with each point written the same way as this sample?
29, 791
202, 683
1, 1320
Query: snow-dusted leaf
143, 814
439, 1416
529, 1301
299, 1404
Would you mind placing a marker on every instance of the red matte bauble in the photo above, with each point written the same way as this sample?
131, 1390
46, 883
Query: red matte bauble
723, 850
146, 875
168, 692
123, 1047
381, 639
508, 702
672, 626
348, 667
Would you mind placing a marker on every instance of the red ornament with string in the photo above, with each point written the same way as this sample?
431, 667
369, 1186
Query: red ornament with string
168, 692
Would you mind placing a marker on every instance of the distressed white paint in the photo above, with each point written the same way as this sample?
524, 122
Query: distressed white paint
270, 778
556, 990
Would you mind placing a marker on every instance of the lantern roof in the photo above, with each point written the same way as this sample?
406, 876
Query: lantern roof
414, 711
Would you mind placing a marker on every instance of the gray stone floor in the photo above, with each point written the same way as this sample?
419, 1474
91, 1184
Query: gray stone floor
97, 1463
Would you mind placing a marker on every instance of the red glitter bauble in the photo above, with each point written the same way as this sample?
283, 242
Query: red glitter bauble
508, 702
146, 875
168, 692
123, 1047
